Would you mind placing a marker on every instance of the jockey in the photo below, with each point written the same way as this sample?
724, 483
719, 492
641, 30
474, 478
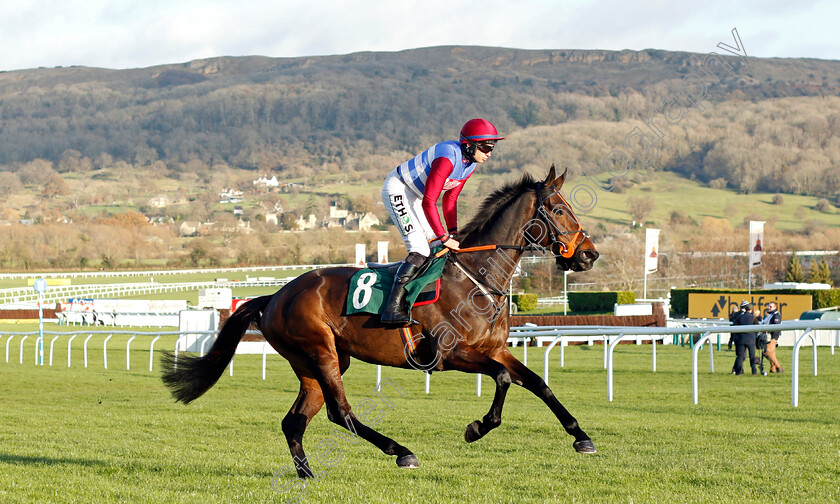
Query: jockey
411, 192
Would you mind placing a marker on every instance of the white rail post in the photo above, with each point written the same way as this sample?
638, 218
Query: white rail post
105, 350
794, 367
265, 346
11, 337
128, 352
230, 367
178, 340
478, 384
563, 346
606, 347
69, 342
38, 346
85, 347
525, 349
428, 380
378, 378
712, 356
152, 352
204, 342
695, 387
545, 357
51, 347
21, 348
653, 342
611, 348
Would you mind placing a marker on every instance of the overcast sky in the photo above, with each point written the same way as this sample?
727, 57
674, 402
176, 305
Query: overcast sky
134, 33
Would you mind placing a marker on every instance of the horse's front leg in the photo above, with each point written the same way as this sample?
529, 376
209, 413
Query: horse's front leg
521, 375
465, 358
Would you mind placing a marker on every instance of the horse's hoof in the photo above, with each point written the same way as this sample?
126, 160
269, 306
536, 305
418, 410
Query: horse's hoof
408, 461
472, 433
585, 446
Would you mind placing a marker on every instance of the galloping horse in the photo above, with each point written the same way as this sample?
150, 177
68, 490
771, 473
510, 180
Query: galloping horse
305, 322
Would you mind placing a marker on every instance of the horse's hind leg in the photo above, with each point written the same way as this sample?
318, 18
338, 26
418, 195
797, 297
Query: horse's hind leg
465, 358
338, 410
308, 403
521, 375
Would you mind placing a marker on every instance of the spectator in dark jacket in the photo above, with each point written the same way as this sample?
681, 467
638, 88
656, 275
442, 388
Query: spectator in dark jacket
732, 316
744, 342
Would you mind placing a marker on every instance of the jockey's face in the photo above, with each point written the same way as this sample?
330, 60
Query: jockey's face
483, 151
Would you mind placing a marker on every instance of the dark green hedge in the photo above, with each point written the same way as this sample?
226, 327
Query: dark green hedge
599, 301
820, 298
525, 302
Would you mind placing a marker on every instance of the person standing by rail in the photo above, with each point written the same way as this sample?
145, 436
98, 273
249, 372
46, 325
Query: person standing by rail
772, 316
744, 342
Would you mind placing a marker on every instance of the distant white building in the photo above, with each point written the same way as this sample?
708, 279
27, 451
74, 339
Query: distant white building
337, 213
189, 228
796, 285
271, 218
367, 221
304, 224
230, 196
159, 202
267, 183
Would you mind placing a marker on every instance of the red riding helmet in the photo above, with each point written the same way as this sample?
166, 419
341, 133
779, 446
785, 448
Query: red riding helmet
479, 130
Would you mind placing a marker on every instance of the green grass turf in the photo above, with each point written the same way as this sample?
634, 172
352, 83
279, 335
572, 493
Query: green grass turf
95, 435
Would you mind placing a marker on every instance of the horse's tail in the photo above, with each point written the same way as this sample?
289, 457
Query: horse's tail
190, 377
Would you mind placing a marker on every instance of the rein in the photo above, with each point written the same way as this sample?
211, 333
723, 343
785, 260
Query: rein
565, 250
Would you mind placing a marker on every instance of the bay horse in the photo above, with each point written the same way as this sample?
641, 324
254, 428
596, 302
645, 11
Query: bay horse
465, 330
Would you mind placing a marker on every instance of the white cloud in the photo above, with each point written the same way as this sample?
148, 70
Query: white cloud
132, 33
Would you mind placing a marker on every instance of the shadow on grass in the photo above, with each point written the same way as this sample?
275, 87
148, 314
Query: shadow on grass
6, 458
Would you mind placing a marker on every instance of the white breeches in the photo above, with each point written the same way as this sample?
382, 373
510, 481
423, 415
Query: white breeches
406, 210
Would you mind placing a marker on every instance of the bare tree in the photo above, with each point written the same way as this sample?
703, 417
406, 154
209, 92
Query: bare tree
639, 208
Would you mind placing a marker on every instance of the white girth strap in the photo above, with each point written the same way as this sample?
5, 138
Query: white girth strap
476, 282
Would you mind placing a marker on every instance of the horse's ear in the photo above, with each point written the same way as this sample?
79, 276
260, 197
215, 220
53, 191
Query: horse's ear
558, 182
551, 176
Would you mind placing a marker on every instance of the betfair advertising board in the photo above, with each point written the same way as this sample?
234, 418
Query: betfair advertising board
720, 304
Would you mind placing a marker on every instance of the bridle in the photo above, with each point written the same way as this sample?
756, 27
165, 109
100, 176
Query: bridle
558, 247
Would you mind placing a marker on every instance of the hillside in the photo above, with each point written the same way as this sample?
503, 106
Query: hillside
85, 151
366, 111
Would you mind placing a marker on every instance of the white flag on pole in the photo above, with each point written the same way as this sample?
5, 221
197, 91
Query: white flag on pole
382, 251
651, 250
360, 254
756, 242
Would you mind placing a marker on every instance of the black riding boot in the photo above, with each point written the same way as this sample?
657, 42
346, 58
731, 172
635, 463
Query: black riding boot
395, 310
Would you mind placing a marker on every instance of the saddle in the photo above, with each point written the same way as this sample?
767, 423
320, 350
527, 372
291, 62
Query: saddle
391, 267
368, 289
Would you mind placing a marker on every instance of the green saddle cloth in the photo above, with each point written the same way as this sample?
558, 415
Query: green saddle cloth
369, 288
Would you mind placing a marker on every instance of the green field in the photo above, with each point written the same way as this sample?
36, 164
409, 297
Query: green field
95, 435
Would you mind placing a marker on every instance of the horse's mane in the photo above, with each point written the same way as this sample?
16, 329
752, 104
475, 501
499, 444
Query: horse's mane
496, 203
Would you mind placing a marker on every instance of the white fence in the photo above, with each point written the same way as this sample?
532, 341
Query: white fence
19, 295
611, 337
37, 343
161, 273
